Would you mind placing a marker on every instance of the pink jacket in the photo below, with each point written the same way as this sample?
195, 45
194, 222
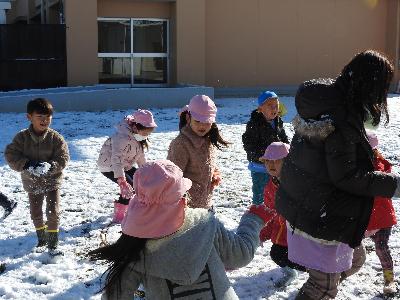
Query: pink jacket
195, 156
120, 151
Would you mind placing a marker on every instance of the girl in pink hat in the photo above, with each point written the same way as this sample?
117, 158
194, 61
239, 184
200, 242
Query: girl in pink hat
275, 228
173, 250
121, 151
193, 150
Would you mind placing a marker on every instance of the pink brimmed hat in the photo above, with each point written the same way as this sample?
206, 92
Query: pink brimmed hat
372, 139
143, 117
202, 109
275, 151
158, 207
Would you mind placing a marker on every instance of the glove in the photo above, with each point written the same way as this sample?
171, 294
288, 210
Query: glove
32, 164
263, 212
37, 168
125, 188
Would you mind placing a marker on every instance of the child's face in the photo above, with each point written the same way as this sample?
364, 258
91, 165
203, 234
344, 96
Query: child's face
40, 122
145, 132
270, 108
274, 167
200, 128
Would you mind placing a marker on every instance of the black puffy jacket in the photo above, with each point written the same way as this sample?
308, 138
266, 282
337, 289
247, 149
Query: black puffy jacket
327, 182
259, 134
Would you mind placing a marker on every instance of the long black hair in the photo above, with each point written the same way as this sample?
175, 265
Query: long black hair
214, 135
125, 250
367, 79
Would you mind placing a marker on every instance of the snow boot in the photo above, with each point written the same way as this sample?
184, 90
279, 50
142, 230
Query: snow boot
390, 286
42, 239
289, 275
53, 243
9, 209
119, 212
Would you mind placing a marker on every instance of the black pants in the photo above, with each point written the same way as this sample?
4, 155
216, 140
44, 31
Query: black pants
4, 201
279, 255
129, 179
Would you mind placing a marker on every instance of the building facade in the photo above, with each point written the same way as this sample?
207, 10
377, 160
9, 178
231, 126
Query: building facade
225, 44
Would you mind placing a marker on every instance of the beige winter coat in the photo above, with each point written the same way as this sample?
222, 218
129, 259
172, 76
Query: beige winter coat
195, 155
49, 147
120, 151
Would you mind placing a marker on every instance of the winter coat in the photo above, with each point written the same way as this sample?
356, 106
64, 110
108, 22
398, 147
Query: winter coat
275, 228
49, 147
195, 155
260, 134
383, 214
191, 263
328, 181
120, 151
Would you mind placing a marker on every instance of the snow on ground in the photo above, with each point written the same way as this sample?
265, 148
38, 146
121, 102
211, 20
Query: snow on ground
87, 205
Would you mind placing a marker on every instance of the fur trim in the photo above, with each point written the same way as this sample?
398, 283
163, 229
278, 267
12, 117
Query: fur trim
318, 129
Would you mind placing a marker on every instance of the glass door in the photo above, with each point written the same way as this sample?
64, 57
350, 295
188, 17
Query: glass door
133, 51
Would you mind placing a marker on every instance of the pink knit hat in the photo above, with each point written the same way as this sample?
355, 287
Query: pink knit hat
143, 117
202, 109
158, 207
275, 151
372, 139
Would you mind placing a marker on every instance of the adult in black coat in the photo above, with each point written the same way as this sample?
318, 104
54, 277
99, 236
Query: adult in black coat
328, 183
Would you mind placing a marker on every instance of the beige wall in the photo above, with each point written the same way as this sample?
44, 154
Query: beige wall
81, 21
191, 41
283, 42
133, 9
393, 36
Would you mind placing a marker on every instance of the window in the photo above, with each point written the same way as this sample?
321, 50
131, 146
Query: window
133, 51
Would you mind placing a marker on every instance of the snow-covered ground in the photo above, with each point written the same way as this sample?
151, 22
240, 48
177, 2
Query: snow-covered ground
87, 205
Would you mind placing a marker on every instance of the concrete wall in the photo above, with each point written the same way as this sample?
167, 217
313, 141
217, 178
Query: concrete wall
81, 21
98, 98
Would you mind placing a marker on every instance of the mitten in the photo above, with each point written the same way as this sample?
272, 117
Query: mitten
263, 212
125, 188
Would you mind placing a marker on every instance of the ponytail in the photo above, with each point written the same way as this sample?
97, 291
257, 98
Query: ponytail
216, 138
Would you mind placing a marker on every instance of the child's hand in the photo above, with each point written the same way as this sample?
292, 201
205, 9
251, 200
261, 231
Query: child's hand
216, 178
125, 188
262, 211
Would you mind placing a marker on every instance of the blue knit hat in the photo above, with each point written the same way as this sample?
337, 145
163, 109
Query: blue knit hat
264, 96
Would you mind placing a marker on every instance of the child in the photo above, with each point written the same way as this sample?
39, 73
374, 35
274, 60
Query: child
7, 204
193, 150
275, 228
123, 149
265, 126
382, 219
40, 154
174, 251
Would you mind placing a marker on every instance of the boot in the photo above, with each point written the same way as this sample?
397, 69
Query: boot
119, 212
42, 239
289, 275
390, 286
302, 296
53, 243
9, 209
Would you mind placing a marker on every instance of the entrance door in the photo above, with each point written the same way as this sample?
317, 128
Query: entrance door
133, 51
